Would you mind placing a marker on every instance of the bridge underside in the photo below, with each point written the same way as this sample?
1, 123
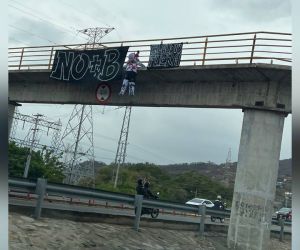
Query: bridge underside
264, 86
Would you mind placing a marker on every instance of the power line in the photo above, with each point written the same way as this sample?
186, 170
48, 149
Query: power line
32, 140
81, 11
31, 14
18, 41
138, 147
32, 34
148, 151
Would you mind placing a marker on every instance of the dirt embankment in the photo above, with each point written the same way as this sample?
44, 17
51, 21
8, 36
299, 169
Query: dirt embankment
27, 233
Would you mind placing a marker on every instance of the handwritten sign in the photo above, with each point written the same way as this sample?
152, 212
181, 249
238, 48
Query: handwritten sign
89, 65
165, 55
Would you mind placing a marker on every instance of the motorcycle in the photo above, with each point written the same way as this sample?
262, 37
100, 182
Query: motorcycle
154, 212
221, 218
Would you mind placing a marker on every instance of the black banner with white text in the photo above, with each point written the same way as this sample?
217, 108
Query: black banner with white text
165, 55
89, 65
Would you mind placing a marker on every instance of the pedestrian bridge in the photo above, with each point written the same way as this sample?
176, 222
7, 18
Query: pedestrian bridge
249, 71
239, 70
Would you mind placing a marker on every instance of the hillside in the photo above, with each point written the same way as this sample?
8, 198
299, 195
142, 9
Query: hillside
178, 188
180, 182
221, 173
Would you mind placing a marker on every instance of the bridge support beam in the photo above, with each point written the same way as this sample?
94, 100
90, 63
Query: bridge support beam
255, 182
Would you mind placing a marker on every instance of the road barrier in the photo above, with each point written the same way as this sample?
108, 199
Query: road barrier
43, 189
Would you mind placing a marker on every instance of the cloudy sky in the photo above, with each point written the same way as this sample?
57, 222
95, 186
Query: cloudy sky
158, 135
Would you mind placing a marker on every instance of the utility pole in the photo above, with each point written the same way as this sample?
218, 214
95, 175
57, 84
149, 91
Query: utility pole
26, 142
25, 175
122, 143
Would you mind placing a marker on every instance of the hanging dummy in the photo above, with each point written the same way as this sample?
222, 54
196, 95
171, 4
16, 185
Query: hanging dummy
130, 75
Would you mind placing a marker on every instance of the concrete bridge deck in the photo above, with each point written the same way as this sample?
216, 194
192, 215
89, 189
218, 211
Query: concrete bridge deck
261, 86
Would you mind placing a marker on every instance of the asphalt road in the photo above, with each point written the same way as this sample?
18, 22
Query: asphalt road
102, 207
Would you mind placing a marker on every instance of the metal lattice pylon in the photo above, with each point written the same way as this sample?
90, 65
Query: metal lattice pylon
228, 159
14, 125
95, 35
75, 151
77, 145
33, 136
55, 140
122, 143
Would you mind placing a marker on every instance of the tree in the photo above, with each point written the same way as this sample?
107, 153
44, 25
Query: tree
178, 188
43, 163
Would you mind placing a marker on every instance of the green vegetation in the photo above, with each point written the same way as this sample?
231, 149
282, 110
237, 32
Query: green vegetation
43, 164
179, 187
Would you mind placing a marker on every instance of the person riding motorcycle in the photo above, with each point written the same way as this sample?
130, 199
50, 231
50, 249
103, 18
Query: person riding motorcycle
140, 187
218, 205
149, 195
147, 192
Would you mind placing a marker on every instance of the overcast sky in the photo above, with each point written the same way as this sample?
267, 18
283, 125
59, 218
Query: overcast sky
158, 135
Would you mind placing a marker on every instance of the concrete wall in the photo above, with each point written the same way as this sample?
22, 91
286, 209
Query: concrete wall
255, 182
215, 86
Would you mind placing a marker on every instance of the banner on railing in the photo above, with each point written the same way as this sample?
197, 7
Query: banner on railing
89, 65
165, 55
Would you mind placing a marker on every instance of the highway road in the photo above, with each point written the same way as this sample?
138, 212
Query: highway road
102, 207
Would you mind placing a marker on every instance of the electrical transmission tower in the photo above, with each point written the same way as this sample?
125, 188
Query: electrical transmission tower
32, 138
122, 144
14, 125
228, 159
78, 146
95, 35
79, 155
26, 142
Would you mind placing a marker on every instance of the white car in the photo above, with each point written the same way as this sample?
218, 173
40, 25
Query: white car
198, 201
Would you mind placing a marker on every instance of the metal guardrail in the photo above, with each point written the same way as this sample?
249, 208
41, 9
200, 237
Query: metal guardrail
248, 47
41, 188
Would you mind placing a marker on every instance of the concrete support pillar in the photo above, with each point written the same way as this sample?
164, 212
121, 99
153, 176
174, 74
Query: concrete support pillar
11, 111
255, 182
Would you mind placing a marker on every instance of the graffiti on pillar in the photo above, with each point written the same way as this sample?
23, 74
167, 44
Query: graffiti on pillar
247, 210
89, 65
165, 55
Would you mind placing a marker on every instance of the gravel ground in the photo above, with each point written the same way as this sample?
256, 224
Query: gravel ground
27, 233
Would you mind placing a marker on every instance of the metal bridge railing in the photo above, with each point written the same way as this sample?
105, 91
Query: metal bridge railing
249, 47
42, 189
